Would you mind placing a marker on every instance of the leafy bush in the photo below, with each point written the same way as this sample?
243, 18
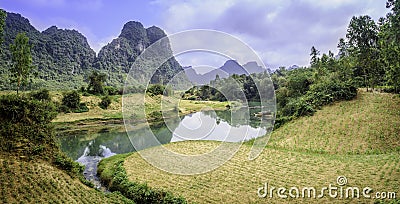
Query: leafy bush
319, 94
155, 89
71, 100
25, 126
41, 95
111, 90
329, 91
297, 107
96, 83
82, 108
105, 102
64, 162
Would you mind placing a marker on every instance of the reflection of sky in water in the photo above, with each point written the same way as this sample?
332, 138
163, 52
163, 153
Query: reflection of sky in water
199, 126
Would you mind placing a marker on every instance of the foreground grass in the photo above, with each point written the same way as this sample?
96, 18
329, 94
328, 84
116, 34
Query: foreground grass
358, 139
40, 182
237, 180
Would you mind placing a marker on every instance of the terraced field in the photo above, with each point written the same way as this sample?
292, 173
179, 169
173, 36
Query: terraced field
357, 139
40, 182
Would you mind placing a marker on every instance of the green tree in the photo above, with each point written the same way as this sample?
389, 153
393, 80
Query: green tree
362, 35
3, 16
314, 56
21, 60
389, 41
71, 100
342, 46
96, 83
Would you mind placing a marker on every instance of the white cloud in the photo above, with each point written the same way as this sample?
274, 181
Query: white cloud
282, 32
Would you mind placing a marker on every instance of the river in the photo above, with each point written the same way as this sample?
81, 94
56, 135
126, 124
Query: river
89, 148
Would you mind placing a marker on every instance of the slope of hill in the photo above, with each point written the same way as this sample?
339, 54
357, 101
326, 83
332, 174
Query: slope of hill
63, 58
358, 139
369, 124
40, 182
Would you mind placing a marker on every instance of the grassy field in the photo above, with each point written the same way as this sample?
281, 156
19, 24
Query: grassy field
358, 139
367, 125
40, 182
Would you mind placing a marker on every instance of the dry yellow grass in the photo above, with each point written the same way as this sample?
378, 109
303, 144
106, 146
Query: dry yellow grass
95, 112
40, 182
368, 124
237, 180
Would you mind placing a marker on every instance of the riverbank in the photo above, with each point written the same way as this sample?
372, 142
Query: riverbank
96, 117
357, 140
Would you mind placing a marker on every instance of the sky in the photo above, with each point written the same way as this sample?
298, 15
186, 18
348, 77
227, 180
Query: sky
281, 32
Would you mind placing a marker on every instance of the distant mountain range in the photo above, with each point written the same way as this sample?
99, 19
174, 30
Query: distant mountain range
64, 59
230, 67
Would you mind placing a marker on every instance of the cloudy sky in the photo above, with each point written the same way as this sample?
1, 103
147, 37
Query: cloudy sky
281, 32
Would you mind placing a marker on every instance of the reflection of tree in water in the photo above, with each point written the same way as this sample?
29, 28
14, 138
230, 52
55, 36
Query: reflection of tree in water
74, 145
242, 117
118, 142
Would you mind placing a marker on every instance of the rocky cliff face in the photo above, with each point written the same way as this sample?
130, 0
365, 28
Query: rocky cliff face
119, 55
64, 56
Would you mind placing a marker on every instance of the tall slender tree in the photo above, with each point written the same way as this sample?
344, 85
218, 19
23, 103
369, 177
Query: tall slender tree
21, 60
3, 16
314, 56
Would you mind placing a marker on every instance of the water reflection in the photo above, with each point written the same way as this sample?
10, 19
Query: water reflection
209, 126
231, 126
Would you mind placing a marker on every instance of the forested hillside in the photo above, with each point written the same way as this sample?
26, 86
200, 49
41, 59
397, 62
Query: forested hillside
63, 59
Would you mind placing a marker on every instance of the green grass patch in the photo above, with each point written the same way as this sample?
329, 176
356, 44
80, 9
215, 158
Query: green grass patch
113, 174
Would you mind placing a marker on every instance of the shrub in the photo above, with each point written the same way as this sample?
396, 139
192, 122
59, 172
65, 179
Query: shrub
105, 102
155, 89
330, 91
111, 90
71, 100
41, 95
63, 162
297, 107
82, 89
96, 83
82, 108
25, 126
